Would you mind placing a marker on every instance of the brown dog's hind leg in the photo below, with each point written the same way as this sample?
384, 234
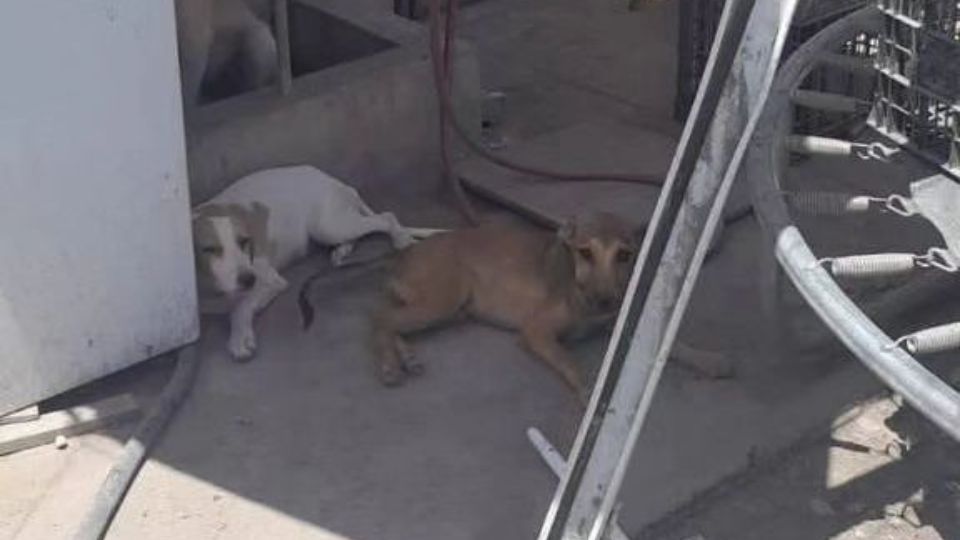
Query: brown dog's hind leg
406, 355
408, 312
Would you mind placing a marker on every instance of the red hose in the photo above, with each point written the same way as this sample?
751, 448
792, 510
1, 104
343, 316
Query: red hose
441, 52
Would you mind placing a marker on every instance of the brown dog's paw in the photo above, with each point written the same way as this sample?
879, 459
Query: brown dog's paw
414, 369
404, 351
391, 377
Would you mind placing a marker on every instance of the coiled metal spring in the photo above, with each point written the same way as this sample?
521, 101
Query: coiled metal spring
825, 203
828, 203
888, 264
932, 340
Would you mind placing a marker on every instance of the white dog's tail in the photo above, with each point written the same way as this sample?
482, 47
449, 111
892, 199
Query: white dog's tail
420, 232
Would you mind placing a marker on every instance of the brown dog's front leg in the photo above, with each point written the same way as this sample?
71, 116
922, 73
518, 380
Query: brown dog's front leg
543, 342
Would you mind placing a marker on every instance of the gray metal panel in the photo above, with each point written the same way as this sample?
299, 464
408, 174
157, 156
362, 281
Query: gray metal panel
96, 269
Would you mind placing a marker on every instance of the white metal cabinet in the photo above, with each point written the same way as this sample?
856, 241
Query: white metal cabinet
96, 269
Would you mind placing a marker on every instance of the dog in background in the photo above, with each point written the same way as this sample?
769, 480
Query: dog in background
226, 47
546, 286
263, 223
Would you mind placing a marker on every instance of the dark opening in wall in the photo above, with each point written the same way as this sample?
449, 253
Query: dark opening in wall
319, 40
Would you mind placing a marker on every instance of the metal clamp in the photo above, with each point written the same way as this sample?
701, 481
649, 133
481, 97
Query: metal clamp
939, 258
900, 205
875, 150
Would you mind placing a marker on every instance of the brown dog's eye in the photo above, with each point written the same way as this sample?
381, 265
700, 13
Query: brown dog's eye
624, 256
212, 250
244, 243
585, 254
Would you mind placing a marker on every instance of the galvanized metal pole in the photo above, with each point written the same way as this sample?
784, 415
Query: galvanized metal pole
729, 101
282, 31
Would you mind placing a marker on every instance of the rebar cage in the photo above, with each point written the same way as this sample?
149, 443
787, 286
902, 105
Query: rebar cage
917, 102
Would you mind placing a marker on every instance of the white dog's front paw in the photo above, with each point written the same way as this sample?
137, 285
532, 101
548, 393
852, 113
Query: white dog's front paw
242, 344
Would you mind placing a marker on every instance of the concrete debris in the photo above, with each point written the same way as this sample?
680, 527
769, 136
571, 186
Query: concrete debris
895, 450
855, 507
910, 516
894, 510
61, 442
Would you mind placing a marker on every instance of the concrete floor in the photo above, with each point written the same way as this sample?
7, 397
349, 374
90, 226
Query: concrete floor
887, 474
304, 443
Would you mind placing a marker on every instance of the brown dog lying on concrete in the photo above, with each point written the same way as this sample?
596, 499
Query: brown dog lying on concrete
547, 286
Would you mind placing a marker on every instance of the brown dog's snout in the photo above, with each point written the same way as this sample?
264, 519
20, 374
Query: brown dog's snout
247, 281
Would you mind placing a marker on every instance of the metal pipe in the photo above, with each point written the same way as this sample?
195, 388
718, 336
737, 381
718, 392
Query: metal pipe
121, 476
856, 64
826, 101
281, 22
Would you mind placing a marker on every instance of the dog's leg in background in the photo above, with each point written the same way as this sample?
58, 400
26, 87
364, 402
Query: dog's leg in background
195, 32
259, 50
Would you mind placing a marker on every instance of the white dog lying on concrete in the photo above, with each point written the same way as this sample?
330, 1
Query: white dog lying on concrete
263, 223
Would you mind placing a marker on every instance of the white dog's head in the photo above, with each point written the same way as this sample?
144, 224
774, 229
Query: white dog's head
226, 238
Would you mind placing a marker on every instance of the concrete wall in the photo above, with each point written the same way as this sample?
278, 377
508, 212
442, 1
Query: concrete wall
369, 121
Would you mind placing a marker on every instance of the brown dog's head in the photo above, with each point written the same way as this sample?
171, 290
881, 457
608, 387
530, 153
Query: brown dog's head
603, 248
226, 238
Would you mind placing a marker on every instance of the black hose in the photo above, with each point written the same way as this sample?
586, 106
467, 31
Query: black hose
110, 495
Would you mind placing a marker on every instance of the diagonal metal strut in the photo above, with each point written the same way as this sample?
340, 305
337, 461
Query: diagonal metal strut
735, 85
